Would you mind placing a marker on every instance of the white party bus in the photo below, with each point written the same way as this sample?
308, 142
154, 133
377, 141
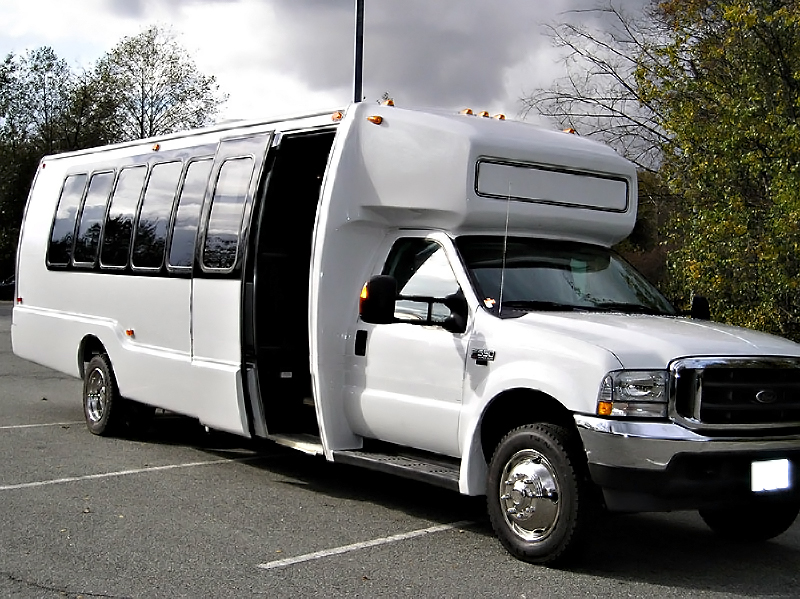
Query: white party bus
433, 295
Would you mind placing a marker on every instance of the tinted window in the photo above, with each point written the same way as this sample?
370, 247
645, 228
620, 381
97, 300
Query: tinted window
94, 209
60, 249
151, 227
119, 225
227, 209
181, 251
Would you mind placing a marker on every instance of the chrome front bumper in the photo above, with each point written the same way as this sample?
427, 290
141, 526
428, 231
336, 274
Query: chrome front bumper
652, 445
658, 466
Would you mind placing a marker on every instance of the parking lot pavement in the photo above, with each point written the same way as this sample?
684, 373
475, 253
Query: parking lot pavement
180, 512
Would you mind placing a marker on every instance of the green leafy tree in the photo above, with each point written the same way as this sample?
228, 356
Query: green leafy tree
728, 87
156, 86
146, 85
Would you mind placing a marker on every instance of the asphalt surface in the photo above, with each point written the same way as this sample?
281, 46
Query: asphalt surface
179, 512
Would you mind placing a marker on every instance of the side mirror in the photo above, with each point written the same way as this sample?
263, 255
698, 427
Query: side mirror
700, 309
378, 299
457, 321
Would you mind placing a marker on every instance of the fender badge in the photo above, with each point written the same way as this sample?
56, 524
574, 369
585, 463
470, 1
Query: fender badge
482, 356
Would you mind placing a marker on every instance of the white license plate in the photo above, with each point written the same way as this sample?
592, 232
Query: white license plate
771, 475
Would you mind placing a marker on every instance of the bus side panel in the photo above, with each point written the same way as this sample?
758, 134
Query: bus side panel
217, 352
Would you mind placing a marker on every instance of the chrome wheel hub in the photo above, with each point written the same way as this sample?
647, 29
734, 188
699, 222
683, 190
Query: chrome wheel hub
96, 395
529, 494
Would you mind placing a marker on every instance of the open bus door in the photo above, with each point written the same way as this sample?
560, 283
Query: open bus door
217, 279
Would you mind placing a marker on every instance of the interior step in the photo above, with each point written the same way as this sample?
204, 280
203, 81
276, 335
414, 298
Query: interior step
310, 444
429, 468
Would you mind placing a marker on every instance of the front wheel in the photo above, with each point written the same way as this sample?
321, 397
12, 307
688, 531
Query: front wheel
537, 495
759, 520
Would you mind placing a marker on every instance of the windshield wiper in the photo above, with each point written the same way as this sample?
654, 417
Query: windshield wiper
531, 305
628, 308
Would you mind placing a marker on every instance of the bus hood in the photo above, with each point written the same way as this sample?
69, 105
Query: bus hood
641, 341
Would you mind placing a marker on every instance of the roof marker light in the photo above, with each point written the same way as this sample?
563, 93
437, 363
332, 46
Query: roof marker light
337, 116
466, 111
484, 114
571, 131
499, 117
130, 333
375, 119
387, 102
156, 147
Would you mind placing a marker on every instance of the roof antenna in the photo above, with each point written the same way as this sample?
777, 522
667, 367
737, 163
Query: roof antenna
505, 252
358, 66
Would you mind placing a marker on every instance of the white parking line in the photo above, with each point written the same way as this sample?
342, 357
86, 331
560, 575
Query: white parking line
13, 426
363, 545
71, 479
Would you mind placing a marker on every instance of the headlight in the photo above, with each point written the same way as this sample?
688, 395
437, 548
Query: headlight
634, 394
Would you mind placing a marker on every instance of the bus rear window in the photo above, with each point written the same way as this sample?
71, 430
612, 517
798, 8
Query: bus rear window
59, 251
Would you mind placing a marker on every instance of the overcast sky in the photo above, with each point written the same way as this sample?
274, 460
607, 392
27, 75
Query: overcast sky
279, 57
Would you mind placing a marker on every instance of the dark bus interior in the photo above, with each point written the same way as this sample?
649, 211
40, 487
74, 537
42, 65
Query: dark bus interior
276, 342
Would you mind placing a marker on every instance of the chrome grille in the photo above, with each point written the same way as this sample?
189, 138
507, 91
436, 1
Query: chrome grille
736, 393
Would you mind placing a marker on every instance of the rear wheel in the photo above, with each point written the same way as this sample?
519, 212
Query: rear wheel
760, 520
537, 494
102, 406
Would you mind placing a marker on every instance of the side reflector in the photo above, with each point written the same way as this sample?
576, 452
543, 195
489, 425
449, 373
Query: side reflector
375, 119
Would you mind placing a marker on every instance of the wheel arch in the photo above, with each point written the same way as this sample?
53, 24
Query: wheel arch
516, 407
90, 346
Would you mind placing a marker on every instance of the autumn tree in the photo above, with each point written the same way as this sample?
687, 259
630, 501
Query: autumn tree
156, 86
713, 87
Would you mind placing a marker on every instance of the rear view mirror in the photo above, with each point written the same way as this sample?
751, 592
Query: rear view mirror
378, 299
700, 308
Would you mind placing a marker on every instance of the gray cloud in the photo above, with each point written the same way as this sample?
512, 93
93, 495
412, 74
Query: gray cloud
445, 53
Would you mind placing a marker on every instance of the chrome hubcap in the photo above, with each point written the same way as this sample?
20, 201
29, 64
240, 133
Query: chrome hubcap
96, 395
530, 495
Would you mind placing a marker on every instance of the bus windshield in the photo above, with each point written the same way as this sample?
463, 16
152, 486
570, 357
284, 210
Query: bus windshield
540, 274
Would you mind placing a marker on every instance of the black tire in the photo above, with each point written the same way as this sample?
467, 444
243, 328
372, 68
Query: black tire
758, 521
538, 495
103, 408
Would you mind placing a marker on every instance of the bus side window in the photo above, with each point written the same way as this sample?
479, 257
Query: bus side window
187, 215
150, 237
119, 223
227, 211
87, 240
59, 251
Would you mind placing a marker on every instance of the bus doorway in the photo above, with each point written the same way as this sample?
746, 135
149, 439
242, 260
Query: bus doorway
276, 342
